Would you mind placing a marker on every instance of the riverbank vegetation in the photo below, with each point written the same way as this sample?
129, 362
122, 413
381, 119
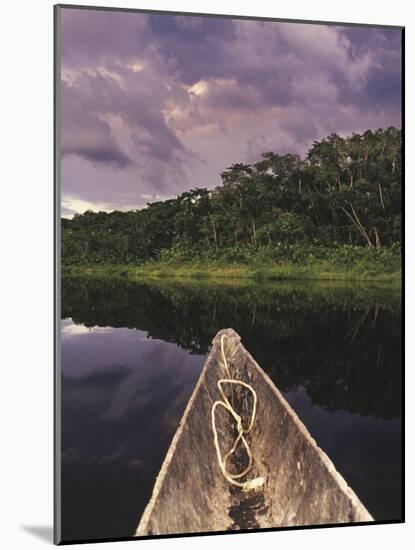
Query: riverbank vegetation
334, 214
280, 262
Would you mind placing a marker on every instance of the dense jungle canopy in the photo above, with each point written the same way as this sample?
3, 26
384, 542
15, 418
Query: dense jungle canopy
346, 191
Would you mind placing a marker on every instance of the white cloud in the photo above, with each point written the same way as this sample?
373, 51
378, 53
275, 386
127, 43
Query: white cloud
73, 205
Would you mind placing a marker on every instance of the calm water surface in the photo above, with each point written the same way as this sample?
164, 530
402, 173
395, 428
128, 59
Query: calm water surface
132, 353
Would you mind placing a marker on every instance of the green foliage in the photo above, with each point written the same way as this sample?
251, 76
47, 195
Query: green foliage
281, 262
342, 201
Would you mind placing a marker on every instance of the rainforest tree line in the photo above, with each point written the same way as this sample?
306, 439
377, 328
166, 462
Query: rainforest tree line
345, 192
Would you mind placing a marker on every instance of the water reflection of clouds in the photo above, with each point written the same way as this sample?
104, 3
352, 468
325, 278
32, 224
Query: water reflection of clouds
141, 386
121, 403
114, 363
88, 350
70, 329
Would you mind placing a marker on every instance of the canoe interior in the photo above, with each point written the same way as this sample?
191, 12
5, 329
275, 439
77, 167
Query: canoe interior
302, 486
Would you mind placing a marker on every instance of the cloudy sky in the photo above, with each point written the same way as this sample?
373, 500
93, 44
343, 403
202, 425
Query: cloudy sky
152, 105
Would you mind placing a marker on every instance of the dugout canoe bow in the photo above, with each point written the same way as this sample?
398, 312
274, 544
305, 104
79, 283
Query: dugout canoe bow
300, 485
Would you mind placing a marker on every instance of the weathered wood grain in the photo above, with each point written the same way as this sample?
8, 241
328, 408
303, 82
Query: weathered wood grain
302, 486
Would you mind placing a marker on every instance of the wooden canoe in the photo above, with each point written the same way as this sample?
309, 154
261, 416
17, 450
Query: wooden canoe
302, 486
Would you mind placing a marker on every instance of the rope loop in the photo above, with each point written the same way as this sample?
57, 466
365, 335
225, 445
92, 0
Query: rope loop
240, 438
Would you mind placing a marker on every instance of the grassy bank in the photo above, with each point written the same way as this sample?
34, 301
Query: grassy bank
282, 272
343, 263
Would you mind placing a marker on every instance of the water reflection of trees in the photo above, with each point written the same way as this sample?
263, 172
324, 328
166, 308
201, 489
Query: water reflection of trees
343, 344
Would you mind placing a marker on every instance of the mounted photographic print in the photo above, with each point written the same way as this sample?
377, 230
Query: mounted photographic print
228, 274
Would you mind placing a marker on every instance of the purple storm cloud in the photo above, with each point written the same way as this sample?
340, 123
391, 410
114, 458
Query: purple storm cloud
153, 104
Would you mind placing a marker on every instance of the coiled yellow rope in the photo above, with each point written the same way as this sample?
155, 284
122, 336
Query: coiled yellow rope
232, 478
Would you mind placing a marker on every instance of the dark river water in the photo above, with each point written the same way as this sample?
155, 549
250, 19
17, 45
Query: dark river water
132, 353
